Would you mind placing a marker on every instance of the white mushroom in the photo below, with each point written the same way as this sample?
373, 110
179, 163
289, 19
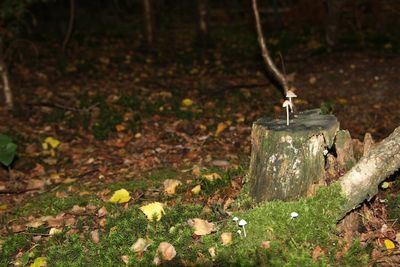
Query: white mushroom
240, 233
235, 219
290, 94
286, 105
294, 215
242, 223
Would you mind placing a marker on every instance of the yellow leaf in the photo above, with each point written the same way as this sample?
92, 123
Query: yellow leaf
170, 186
153, 211
196, 189
389, 244
201, 227
187, 102
220, 128
39, 262
212, 176
55, 231
3, 206
386, 185
54, 143
120, 196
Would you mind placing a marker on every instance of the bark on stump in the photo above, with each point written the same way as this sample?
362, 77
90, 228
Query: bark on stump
287, 160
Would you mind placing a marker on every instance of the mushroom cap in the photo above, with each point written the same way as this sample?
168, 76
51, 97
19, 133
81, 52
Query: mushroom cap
235, 219
286, 104
290, 93
242, 222
294, 214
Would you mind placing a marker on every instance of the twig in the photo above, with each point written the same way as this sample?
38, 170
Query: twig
16, 191
59, 106
70, 24
265, 53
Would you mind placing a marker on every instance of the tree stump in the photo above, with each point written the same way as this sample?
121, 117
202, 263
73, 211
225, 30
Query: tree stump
287, 160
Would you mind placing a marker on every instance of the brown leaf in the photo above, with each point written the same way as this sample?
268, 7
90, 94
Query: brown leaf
170, 186
141, 245
94, 235
102, 212
266, 244
125, 259
201, 227
78, 210
226, 239
166, 251
316, 253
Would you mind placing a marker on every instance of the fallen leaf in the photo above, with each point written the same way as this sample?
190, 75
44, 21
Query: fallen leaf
55, 231
389, 244
125, 259
212, 176
35, 223
141, 245
3, 206
120, 196
166, 251
196, 171
153, 211
94, 235
102, 212
316, 253
385, 185
265, 244
220, 128
78, 210
226, 238
120, 127
35, 184
187, 102
170, 186
39, 262
195, 190
201, 227
54, 143
212, 252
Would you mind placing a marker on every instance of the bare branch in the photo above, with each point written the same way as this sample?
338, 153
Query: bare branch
280, 78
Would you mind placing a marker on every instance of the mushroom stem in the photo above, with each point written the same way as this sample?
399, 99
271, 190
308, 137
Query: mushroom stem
244, 231
287, 115
291, 105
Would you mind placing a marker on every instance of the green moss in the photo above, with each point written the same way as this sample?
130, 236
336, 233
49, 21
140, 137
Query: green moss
292, 239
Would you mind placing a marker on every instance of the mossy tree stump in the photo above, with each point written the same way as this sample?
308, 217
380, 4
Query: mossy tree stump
286, 161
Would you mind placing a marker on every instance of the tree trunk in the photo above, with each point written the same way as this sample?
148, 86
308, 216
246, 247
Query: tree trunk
70, 25
148, 23
4, 76
334, 8
287, 161
362, 181
203, 35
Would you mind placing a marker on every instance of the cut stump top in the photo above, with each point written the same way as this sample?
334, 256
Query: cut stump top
310, 122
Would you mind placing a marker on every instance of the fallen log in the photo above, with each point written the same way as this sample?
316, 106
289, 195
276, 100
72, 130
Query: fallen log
361, 182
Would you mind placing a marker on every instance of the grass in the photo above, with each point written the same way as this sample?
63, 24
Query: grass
292, 240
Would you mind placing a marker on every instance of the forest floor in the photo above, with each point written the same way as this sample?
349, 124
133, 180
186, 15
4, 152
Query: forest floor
130, 120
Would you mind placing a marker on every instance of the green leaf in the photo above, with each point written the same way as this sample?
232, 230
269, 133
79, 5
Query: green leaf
7, 150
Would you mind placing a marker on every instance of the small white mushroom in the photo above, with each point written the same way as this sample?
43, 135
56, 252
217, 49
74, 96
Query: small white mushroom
242, 223
286, 105
240, 233
290, 94
294, 215
235, 219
